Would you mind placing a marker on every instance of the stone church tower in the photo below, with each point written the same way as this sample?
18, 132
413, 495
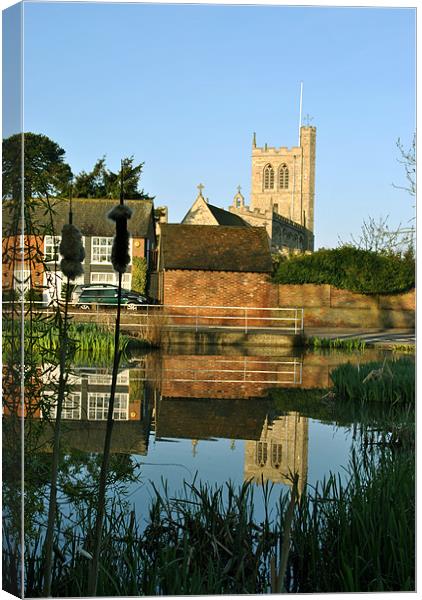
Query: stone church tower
283, 193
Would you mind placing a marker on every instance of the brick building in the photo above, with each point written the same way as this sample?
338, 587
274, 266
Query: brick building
203, 265
41, 242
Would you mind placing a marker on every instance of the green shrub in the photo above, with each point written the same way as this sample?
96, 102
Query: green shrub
139, 274
33, 295
350, 268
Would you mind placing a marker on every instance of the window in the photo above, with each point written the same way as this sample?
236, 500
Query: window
51, 248
101, 249
284, 177
98, 406
268, 178
112, 278
105, 379
276, 453
71, 408
261, 453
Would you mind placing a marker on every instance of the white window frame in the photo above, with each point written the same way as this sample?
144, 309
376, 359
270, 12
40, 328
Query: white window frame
53, 242
97, 246
98, 406
51, 248
95, 243
71, 408
105, 378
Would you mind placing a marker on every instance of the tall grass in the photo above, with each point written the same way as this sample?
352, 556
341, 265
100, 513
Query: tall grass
84, 338
343, 537
349, 344
390, 381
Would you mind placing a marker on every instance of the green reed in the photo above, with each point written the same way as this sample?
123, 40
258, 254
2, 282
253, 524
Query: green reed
348, 344
353, 536
84, 338
389, 381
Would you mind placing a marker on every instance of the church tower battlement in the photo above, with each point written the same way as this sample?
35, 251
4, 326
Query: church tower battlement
283, 179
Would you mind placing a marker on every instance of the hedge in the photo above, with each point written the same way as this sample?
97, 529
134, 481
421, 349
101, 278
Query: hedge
350, 268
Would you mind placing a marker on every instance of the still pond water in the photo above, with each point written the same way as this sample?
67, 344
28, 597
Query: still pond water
215, 418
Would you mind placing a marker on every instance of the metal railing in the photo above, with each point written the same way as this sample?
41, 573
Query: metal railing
169, 316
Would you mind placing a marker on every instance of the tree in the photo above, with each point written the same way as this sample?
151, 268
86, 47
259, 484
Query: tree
45, 172
378, 237
408, 159
103, 183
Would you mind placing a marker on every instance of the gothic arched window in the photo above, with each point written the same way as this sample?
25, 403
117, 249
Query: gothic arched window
284, 177
268, 178
261, 454
276, 452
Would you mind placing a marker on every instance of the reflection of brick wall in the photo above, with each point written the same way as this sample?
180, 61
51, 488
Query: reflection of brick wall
327, 306
245, 370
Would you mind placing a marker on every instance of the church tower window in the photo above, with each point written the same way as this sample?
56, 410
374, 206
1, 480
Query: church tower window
268, 178
284, 177
261, 454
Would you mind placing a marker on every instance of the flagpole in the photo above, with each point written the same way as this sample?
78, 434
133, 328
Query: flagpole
300, 110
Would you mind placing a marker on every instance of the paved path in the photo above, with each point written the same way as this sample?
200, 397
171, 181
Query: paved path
371, 336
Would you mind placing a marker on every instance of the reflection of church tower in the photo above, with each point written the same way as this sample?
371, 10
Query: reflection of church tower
281, 449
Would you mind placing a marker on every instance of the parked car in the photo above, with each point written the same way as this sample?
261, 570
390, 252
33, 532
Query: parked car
77, 290
108, 295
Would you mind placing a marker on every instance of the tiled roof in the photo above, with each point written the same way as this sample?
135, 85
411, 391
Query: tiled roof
89, 215
211, 248
224, 217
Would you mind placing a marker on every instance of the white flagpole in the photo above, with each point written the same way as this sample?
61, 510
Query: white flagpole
300, 110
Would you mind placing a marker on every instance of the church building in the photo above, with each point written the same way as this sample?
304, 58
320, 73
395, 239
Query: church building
282, 196
283, 193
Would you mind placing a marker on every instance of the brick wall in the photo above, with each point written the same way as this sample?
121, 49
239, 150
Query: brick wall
327, 306
218, 288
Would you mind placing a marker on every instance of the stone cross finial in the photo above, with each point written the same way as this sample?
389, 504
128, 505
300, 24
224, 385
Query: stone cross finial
239, 188
200, 188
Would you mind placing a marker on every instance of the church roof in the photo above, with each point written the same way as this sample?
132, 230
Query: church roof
89, 215
211, 248
224, 217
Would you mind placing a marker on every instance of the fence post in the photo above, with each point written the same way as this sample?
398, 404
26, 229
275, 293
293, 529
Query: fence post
246, 320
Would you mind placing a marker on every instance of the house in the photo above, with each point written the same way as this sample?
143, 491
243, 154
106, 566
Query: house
41, 268
204, 265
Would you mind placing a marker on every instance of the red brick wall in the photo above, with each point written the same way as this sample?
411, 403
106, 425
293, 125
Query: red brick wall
218, 288
327, 306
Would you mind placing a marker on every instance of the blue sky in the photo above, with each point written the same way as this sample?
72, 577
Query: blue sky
183, 87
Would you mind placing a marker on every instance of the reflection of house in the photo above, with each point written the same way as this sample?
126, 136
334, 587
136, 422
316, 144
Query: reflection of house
43, 238
204, 265
282, 449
